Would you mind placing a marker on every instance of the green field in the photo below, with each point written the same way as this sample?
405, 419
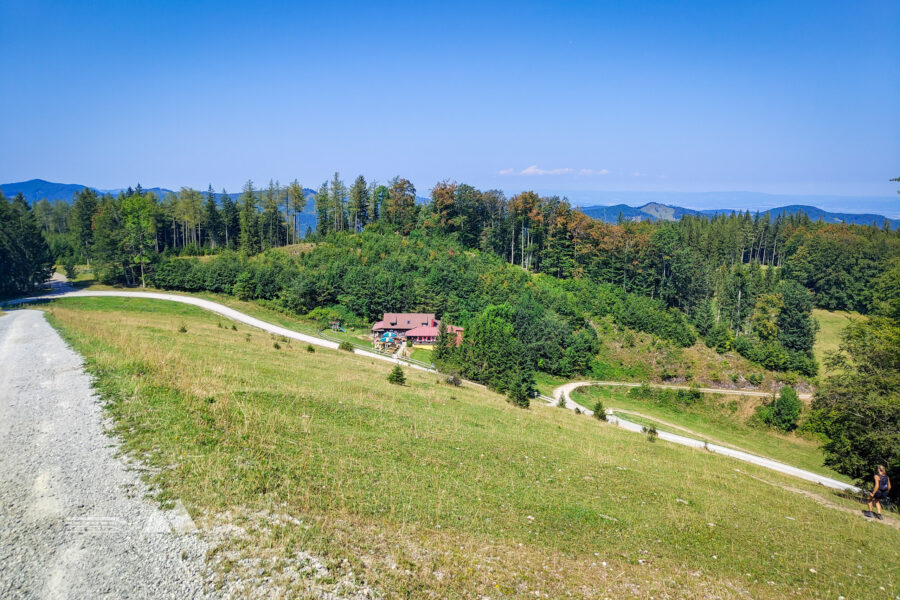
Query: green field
421, 354
429, 490
720, 419
828, 338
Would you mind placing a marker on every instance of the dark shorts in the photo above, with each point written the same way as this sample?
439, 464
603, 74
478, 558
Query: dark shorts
879, 495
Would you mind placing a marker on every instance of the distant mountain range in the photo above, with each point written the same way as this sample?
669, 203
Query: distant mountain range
37, 189
653, 211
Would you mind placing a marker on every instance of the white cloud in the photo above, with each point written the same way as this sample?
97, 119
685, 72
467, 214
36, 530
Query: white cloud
536, 170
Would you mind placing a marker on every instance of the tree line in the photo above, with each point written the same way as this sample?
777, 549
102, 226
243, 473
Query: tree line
741, 282
25, 258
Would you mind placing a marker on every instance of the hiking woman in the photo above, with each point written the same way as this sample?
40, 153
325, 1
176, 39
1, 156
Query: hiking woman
880, 491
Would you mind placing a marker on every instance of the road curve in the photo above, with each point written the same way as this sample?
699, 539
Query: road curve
705, 390
220, 309
563, 393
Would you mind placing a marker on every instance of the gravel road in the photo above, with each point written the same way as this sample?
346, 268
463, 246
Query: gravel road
74, 521
221, 309
563, 393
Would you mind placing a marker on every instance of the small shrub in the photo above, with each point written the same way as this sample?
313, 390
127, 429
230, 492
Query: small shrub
310, 348
735, 378
789, 378
668, 374
277, 346
247, 337
755, 378
345, 345
233, 327
219, 324
651, 432
784, 412
577, 411
182, 328
396, 376
453, 379
599, 411
561, 403
714, 376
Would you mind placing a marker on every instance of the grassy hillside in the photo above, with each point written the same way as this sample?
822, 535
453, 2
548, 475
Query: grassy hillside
721, 419
429, 490
828, 338
625, 354
628, 355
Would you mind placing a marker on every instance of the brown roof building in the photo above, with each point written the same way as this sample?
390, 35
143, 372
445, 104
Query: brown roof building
421, 328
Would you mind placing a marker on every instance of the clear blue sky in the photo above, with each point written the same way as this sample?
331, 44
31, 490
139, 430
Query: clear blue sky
779, 97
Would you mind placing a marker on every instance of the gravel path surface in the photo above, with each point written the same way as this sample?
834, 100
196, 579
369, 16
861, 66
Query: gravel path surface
563, 393
74, 521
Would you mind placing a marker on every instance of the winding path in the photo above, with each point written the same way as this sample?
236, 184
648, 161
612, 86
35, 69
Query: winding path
220, 309
560, 393
563, 393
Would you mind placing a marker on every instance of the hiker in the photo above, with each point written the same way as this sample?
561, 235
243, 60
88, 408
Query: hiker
879, 492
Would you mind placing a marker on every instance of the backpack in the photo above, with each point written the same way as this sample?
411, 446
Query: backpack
883, 483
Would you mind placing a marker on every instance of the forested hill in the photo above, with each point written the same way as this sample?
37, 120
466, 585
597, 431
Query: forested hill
38, 189
654, 211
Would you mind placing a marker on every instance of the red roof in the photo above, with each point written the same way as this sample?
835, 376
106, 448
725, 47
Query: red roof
405, 321
429, 331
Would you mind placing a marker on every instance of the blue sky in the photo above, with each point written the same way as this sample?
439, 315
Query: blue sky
776, 97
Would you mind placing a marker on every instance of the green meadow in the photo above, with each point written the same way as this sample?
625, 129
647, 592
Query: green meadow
433, 491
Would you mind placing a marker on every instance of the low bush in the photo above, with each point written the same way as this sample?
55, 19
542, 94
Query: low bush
784, 412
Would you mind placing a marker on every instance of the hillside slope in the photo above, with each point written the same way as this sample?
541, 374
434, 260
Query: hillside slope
429, 490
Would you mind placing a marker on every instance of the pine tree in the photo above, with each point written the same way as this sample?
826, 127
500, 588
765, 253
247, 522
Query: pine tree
396, 376
359, 204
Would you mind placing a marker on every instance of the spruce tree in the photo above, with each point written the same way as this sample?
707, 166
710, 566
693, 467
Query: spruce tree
230, 220
396, 376
338, 201
297, 200
213, 219
82, 215
323, 212
249, 219
359, 204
